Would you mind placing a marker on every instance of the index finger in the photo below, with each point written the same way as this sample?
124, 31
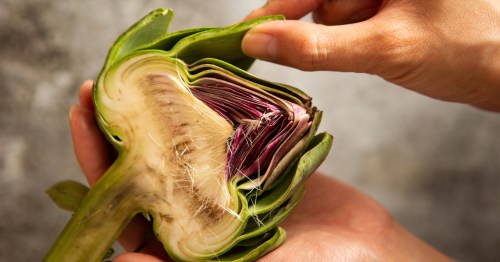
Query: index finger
291, 9
93, 152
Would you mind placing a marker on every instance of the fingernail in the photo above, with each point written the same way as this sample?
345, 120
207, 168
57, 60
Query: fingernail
75, 118
260, 45
81, 118
89, 82
72, 111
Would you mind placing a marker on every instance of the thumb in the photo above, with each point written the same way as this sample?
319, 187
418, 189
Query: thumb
307, 46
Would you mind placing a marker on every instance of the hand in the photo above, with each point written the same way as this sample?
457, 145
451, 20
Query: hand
445, 49
333, 222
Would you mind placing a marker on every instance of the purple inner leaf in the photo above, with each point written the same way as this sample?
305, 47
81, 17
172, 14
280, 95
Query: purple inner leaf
266, 127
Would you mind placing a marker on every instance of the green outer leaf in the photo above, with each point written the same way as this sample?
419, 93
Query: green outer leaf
149, 28
244, 253
68, 194
188, 45
221, 43
317, 151
263, 222
168, 41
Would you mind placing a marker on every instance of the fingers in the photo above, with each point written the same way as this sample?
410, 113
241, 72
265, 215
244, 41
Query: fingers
340, 12
135, 257
153, 251
135, 236
291, 9
308, 46
91, 148
331, 12
139, 237
315, 47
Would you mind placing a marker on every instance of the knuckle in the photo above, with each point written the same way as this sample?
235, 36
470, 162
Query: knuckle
312, 53
398, 46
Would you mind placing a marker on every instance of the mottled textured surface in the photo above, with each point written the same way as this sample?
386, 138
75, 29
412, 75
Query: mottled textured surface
434, 165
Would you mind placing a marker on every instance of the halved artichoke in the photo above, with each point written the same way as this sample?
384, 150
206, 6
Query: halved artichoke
213, 155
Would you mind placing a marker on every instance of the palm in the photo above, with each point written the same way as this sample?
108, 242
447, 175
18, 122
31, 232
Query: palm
333, 222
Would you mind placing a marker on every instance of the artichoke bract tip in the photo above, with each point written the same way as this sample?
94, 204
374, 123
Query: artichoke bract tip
216, 156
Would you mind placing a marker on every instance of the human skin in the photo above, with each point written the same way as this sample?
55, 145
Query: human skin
445, 49
333, 222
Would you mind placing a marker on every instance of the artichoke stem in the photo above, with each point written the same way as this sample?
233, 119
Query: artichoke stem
99, 220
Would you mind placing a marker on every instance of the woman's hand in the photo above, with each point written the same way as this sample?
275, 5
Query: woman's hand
445, 49
333, 222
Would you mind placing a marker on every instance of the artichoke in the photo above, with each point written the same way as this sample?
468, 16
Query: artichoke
214, 156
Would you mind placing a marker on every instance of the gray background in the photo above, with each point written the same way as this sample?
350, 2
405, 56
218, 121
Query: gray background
434, 165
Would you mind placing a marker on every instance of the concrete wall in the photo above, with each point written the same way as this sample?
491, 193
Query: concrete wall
434, 165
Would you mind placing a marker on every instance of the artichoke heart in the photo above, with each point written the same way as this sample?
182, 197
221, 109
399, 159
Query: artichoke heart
214, 156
